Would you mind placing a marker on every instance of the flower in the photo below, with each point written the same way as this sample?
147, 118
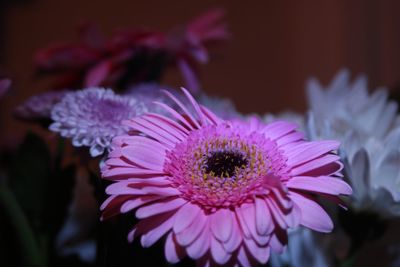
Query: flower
5, 85
367, 125
372, 167
92, 117
223, 192
132, 56
38, 107
345, 106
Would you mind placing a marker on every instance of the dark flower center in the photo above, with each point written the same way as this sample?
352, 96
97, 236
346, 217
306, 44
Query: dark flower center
225, 163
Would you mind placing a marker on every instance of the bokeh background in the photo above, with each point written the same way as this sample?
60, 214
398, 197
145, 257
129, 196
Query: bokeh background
275, 45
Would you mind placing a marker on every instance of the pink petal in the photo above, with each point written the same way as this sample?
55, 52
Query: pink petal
137, 202
173, 252
317, 163
185, 216
211, 116
264, 223
201, 245
221, 224
187, 236
236, 238
191, 119
312, 215
276, 213
167, 127
243, 258
218, 252
278, 129
144, 156
176, 115
248, 217
127, 173
196, 106
139, 124
290, 138
146, 226
152, 236
261, 254
322, 184
313, 150
167, 121
159, 207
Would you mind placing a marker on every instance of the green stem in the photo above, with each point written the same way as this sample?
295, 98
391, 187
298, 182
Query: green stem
31, 253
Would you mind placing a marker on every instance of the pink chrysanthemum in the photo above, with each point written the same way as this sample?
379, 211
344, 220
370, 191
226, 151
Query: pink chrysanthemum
223, 192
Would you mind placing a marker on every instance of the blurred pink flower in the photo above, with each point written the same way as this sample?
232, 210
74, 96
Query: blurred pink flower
132, 56
223, 192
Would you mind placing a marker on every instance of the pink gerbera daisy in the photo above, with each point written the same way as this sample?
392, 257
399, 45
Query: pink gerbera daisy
223, 192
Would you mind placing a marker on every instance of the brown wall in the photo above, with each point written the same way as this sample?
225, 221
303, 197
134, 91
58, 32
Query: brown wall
276, 45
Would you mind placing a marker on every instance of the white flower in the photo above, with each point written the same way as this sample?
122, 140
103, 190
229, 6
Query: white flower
366, 125
346, 106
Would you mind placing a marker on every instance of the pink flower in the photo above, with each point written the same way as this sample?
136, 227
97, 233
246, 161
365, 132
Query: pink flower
223, 192
132, 56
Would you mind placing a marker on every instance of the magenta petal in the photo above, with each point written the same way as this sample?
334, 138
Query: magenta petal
201, 245
221, 224
278, 129
264, 223
315, 164
243, 258
187, 236
185, 216
144, 156
312, 215
149, 238
260, 253
313, 150
220, 255
249, 219
159, 207
173, 252
236, 238
322, 184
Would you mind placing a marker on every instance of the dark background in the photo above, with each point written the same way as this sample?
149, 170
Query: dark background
275, 46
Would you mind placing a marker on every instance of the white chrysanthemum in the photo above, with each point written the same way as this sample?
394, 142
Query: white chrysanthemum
373, 168
346, 106
92, 117
370, 136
